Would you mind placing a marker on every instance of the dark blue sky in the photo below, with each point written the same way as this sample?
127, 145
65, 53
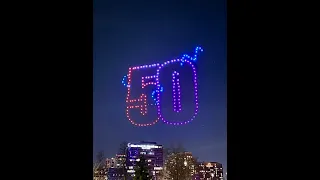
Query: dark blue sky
129, 33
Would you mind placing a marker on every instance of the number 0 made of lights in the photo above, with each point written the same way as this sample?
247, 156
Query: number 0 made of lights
176, 91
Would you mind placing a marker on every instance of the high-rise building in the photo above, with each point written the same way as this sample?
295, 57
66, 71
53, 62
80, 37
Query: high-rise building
116, 167
152, 152
116, 162
209, 170
110, 162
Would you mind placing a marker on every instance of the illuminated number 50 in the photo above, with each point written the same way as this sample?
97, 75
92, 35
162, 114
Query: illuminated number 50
176, 91
141, 102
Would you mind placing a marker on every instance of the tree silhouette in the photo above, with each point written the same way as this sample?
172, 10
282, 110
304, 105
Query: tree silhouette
141, 170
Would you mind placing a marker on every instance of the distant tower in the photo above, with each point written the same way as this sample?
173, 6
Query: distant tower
153, 153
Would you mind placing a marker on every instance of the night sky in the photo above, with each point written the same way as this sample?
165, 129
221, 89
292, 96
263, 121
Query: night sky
131, 33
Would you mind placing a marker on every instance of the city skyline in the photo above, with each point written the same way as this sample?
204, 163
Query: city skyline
144, 34
158, 163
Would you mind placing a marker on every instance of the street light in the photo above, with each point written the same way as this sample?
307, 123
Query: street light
212, 175
185, 163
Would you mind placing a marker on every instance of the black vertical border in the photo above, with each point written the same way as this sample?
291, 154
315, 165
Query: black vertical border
247, 91
58, 134
265, 78
49, 99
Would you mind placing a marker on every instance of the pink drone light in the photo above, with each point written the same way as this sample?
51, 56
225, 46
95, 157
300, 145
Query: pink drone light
141, 102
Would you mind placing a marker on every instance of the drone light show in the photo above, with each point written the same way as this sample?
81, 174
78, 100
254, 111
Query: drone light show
140, 102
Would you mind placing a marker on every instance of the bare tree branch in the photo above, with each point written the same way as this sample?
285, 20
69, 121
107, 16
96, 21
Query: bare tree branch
98, 166
179, 166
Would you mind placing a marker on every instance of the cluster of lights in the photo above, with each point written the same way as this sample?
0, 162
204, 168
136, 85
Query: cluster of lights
195, 91
144, 84
153, 95
194, 58
176, 92
150, 78
141, 103
157, 168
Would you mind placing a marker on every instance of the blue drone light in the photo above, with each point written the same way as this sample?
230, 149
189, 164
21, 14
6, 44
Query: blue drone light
153, 95
185, 56
124, 81
194, 58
